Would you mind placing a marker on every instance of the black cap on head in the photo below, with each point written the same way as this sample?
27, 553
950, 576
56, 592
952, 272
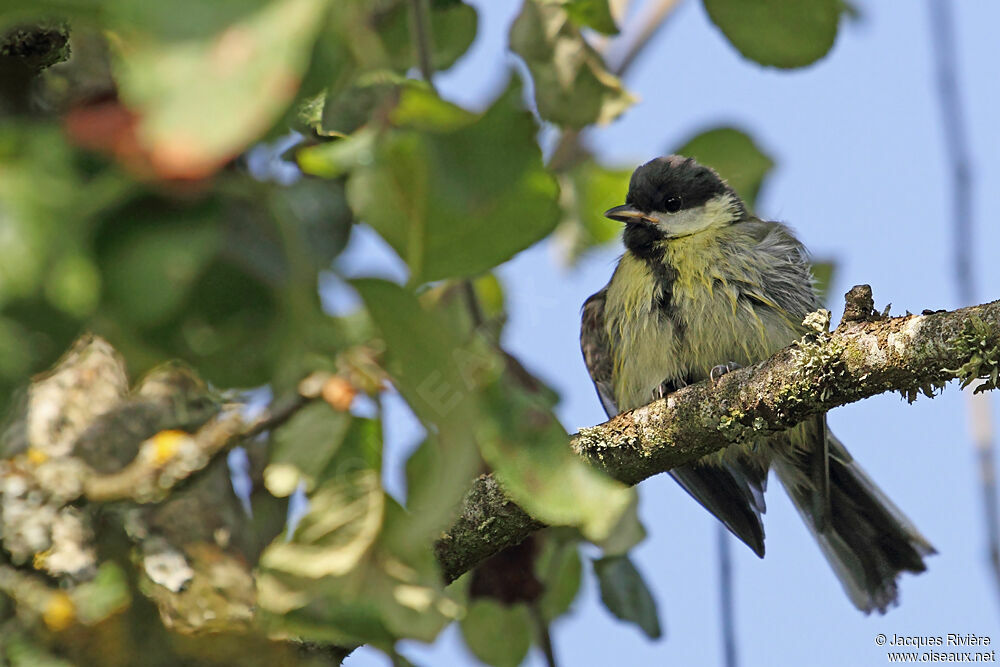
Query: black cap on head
673, 183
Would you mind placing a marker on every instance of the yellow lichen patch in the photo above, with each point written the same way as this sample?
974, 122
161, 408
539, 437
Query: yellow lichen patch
166, 444
38, 561
37, 456
60, 612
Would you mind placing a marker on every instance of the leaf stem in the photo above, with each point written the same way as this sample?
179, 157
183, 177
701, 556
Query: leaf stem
420, 26
544, 637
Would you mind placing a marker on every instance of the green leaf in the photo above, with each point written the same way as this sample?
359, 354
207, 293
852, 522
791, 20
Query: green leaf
320, 219
329, 584
594, 14
74, 284
385, 94
333, 159
429, 370
336, 579
497, 634
449, 302
528, 449
572, 85
559, 569
152, 265
208, 79
776, 32
232, 327
303, 447
734, 155
351, 109
21, 650
457, 392
47, 204
419, 107
346, 110
625, 594
343, 522
420, 353
452, 30
588, 190
626, 534
460, 202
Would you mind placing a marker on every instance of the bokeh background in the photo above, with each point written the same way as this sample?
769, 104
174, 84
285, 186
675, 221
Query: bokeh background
861, 175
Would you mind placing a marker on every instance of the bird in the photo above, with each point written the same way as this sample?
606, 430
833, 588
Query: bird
704, 287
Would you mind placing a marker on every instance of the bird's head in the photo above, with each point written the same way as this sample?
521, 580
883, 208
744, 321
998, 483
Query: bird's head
672, 197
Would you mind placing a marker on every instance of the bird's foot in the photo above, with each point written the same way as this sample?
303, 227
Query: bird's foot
718, 371
668, 387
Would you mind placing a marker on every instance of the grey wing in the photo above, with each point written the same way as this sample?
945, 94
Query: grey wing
597, 350
787, 278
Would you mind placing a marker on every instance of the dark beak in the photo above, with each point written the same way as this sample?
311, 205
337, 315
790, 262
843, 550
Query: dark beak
626, 213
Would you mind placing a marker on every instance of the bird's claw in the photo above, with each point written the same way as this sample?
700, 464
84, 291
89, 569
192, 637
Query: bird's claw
718, 371
667, 387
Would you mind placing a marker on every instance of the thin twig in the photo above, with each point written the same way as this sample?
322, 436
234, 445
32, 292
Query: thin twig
276, 415
651, 22
957, 148
161, 464
544, 637
472, 304
421, 31
726, 597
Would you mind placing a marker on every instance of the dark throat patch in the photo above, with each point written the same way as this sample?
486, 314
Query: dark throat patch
646, 243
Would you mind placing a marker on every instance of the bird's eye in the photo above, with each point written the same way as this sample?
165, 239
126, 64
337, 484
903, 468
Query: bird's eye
672, 204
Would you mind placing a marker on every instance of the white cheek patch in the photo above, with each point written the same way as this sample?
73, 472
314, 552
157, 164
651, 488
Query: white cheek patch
716, 212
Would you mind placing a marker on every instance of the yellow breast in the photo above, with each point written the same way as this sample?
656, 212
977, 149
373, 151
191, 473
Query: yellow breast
717, 312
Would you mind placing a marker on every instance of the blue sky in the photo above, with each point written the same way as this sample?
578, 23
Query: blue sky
861, 176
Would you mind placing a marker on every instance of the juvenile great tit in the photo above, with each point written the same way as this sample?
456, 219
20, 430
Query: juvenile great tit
704, 286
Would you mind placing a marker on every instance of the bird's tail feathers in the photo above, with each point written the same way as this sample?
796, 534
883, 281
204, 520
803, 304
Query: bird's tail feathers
865, 537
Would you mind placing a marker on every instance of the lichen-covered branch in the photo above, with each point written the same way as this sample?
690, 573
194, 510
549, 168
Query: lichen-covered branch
24, 52
35, 47
489, 522
867, 354
92, 468
171, 456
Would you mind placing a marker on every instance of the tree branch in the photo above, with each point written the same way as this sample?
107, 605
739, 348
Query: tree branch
868, 354
170, 457
24, 52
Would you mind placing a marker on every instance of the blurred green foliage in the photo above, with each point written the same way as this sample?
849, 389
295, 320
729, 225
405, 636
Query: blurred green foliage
778, 33
625, 594
498, 635
128, 207
457, 202
572, 84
